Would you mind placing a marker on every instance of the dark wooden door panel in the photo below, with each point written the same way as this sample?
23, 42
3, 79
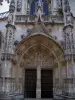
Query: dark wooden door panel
47, 84
30, 83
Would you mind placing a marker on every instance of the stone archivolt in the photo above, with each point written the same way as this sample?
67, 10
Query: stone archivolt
38, 43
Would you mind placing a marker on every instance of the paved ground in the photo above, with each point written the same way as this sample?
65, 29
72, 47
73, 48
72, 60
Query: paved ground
37, 99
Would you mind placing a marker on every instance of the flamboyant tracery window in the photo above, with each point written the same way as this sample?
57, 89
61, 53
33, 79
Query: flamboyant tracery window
43, 5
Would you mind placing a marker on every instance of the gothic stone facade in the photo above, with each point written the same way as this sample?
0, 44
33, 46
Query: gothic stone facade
37, 50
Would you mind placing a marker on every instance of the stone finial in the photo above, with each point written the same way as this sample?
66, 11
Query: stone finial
59, 3
67, 13
1, 2
39, 14
12, 6
19, 5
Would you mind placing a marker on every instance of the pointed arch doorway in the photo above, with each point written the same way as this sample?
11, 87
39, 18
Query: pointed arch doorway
38, 56
39, 73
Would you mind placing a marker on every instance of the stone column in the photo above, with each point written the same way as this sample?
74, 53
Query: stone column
38, 84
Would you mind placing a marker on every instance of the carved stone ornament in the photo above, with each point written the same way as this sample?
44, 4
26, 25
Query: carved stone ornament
10, 18
19, 5
67, 7
59, 3
69, 19
12, 6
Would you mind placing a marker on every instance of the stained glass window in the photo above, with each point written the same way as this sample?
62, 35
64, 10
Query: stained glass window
32, 9
45, 8
35, 5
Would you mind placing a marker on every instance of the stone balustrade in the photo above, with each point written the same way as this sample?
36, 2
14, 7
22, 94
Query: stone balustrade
46, 19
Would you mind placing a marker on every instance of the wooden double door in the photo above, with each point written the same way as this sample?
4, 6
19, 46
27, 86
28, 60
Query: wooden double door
46, 83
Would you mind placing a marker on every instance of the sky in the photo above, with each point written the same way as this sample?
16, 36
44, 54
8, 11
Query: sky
5, 6
72, 5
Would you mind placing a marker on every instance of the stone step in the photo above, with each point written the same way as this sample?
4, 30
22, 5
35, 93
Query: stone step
37, 99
